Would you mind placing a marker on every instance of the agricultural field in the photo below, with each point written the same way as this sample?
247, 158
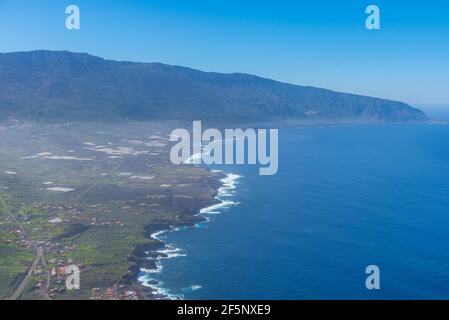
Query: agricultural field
89, 195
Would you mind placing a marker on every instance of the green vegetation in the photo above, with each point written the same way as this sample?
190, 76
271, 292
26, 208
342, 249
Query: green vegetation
98, 222
50, 85
13, 264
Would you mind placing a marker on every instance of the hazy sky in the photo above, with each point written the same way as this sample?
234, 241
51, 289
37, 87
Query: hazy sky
318, 43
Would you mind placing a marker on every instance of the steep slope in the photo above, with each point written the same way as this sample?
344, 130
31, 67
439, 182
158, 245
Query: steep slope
76, 86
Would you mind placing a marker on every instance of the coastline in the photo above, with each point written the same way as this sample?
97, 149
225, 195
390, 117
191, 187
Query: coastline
148, 258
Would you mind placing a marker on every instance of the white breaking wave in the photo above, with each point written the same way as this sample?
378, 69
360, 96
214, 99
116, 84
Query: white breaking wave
147, 279
157, 287
195, 287
191, 288
213, 209
171, 252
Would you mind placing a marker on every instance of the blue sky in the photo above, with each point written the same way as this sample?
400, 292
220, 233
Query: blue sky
318, 43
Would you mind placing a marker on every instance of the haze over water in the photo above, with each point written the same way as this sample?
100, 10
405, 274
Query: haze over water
344, 198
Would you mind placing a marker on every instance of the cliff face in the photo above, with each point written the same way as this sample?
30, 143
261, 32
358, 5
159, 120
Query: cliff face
49, 85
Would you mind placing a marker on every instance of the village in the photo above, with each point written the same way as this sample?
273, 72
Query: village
81, 202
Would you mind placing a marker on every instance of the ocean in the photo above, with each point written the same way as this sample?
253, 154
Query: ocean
344, 197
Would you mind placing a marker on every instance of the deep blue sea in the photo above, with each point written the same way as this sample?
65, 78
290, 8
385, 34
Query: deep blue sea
344, 198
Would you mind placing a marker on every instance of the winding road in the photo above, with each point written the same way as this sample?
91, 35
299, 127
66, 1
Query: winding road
39, 258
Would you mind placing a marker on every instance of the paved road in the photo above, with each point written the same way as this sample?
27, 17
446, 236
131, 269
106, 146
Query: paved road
19, 290
39, 258
44, 291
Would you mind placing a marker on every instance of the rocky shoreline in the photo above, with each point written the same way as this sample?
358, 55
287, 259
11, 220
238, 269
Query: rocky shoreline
145, 256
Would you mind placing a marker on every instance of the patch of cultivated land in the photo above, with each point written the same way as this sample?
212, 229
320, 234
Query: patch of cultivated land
86, 194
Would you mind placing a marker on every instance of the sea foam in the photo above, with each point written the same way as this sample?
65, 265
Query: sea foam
147, 277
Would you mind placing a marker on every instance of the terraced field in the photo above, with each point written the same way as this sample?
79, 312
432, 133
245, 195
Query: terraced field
88, 195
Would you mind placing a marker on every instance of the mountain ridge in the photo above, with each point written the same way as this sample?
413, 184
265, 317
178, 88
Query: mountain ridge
61, 85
